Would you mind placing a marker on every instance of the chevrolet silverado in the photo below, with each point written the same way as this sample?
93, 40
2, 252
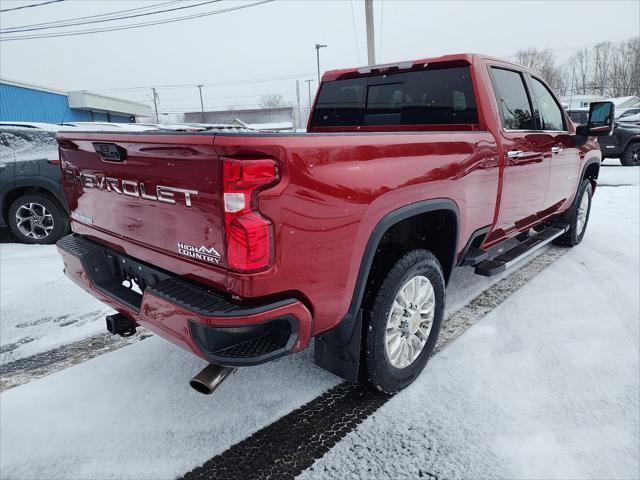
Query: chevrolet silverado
242, 247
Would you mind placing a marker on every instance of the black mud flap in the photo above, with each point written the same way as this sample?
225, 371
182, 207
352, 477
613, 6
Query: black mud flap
338, 350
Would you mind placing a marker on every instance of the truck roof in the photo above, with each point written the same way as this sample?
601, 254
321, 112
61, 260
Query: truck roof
456, 58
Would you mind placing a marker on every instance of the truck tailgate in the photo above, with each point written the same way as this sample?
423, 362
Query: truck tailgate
155, 190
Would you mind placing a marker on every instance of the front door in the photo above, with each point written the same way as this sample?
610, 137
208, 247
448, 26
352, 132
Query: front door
526, 172
559, 147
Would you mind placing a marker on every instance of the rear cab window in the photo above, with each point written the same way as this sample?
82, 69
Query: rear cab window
439, 96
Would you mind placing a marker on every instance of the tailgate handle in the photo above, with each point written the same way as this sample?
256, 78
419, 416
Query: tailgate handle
110, 152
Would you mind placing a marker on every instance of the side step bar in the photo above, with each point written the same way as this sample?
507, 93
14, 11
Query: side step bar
499, 264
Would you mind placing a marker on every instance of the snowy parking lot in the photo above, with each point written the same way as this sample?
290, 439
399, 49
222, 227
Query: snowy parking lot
537, 376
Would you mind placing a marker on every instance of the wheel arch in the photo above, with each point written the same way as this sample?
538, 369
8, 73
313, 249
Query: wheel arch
590, 171
444, 210
635, 138
338, 350
18, 191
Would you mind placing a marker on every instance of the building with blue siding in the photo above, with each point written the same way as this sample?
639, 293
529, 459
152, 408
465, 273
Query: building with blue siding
21, 102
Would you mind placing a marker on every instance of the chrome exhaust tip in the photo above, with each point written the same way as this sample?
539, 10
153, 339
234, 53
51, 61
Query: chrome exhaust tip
210, 378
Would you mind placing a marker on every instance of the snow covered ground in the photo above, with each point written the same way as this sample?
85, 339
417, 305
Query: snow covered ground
40, 308
546, 386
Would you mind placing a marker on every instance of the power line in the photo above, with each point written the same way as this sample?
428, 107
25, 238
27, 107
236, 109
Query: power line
30, 6
128, 27
210, 84
288, 95
111, 19
137, 9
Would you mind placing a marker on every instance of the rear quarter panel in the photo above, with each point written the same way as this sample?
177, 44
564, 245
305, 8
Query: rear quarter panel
334, 189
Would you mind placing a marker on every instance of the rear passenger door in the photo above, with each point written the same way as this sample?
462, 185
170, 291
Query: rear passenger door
555, 136
526, 171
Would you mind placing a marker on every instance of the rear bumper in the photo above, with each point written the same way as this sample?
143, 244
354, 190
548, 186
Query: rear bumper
205, 322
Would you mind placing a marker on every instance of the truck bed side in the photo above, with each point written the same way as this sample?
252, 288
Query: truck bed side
333, 190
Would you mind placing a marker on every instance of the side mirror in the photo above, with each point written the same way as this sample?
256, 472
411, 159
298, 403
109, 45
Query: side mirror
601, 119
600, 122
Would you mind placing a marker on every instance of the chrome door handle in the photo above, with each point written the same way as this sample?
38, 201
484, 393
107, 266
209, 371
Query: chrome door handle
556, 149
515, 153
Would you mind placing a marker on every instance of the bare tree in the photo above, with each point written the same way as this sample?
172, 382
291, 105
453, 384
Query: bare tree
272, 100
606, 69
580, 63
624, 74
542, 62
601, 65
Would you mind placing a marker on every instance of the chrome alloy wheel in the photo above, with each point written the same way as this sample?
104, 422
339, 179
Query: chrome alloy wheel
583, 211
34, 220
409, 322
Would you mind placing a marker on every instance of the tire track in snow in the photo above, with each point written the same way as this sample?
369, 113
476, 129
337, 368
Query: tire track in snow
42, 364
290, 445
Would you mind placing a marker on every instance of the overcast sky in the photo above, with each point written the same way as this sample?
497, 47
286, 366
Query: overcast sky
277, 40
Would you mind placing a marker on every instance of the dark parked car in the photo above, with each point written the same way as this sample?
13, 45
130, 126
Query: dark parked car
623, 144
31, 197
630, 115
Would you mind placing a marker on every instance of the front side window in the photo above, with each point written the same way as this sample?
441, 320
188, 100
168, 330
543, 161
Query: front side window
552, 118
512, 98
425, 97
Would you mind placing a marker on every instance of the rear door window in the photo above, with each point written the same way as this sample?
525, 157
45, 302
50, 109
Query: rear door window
425, 97
23, 144
513, 100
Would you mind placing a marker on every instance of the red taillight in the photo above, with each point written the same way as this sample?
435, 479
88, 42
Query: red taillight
248, 233
54, 161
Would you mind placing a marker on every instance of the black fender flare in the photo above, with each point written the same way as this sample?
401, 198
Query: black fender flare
630, 139
565, 216
338, 350
53, 187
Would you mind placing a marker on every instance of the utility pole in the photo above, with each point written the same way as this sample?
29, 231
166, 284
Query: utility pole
371, 43
318, 47
309, 85
298, 97
201, 102
155, 103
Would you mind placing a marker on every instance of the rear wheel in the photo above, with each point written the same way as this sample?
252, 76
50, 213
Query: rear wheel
631, 155
404, 321
38, 219
579, 217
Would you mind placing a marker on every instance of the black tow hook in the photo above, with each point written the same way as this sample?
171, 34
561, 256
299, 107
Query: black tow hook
118, 324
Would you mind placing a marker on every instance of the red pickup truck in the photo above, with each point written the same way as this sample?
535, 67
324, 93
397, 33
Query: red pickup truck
242, 247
